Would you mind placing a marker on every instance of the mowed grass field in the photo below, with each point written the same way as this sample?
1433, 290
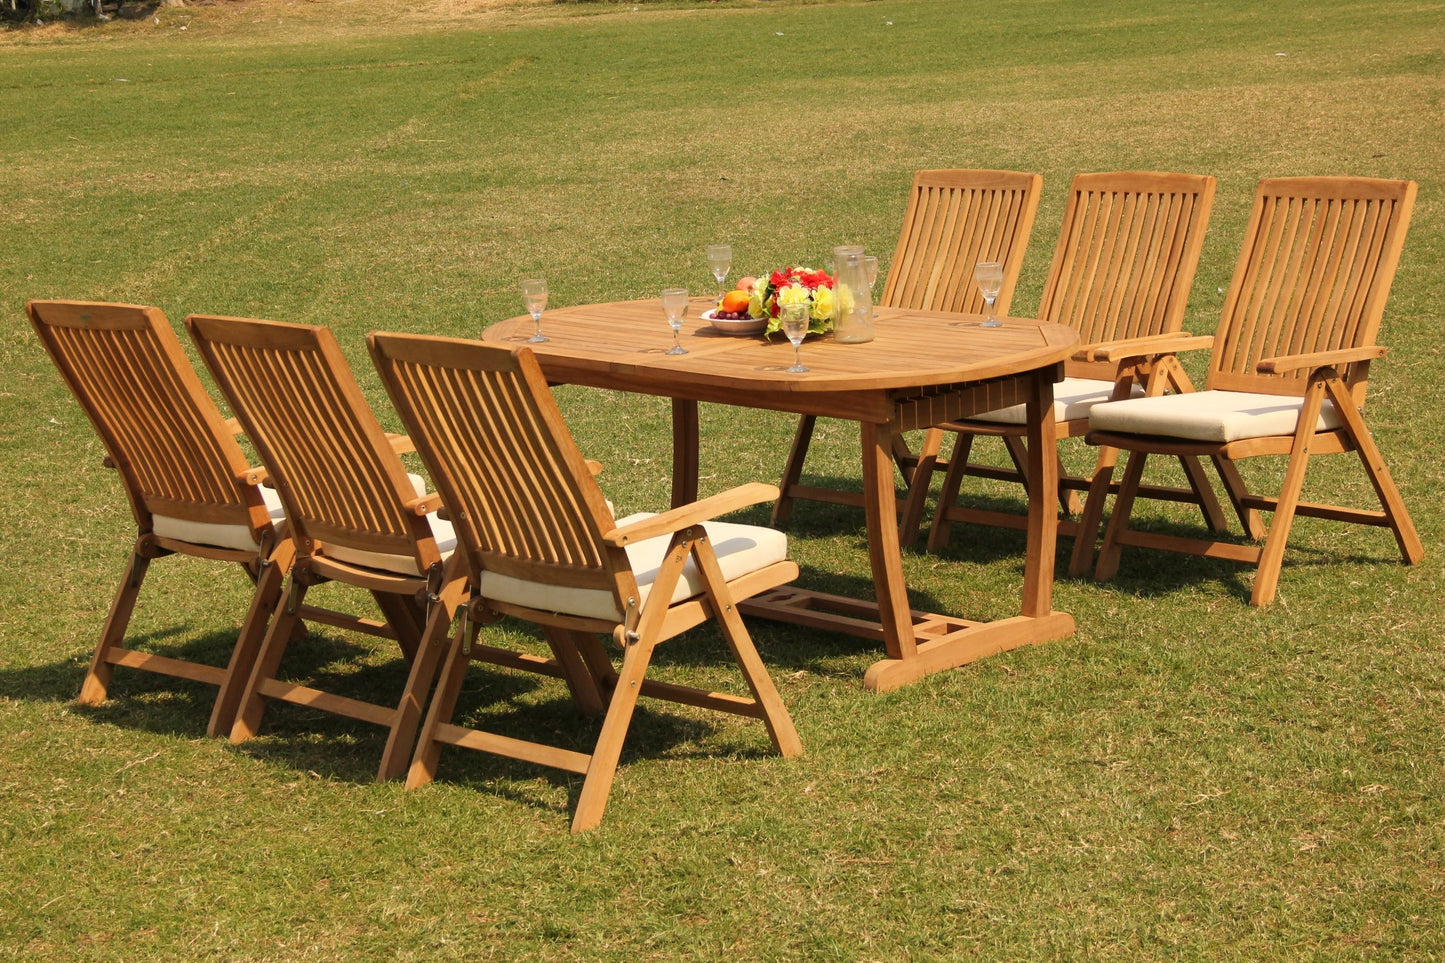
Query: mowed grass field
1185, 778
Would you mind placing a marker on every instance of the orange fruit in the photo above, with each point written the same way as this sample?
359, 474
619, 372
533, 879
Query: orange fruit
735, 301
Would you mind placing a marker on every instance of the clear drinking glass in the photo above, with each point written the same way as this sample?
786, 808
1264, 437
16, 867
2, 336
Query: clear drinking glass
989, 275
870, 265
534, 296
720, 262
795, 326
674, 305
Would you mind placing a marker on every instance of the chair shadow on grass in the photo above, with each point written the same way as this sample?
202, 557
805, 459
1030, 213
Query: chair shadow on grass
1145, 573
511, 703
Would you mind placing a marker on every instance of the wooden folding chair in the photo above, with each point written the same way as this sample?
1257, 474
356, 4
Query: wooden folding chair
1287, 374
1121, 275
356, 516
540, 544
189, 485
954, 219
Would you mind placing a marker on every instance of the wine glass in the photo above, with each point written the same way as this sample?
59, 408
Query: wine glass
795, 326
870, 265
674, 305
989, 275
534, 296
720, 262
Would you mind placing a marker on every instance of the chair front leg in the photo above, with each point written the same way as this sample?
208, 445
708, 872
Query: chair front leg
97, 679
429, 651
1266, 579
793, 470
1081, 561
273, 648
444, 702
939, 531
637, 643
919, 479
1108, 564
270, 582
576, 672
1234, 486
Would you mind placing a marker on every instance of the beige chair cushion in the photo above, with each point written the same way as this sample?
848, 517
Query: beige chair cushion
1073, 399
441, 530
236, 537
1213, 416
740, 549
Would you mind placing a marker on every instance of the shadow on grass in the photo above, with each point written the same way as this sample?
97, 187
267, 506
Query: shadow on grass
60, 681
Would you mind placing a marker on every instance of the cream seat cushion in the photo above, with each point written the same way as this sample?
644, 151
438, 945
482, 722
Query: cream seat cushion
740, 549
236, 537
1073, 399
441, 530
1213, 416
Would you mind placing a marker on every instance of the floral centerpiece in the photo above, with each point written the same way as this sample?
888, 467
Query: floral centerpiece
790, 286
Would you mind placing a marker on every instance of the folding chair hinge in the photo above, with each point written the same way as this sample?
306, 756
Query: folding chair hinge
629, 621
474, 615
293, 593
264, 550
433, 587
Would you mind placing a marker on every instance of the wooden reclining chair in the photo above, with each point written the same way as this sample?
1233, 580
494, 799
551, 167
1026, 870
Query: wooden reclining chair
356, 516
539, 543
1121, 275
1287, 374
189, 485
955, 218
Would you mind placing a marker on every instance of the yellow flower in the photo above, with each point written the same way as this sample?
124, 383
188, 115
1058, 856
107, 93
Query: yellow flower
792, 294
825, 304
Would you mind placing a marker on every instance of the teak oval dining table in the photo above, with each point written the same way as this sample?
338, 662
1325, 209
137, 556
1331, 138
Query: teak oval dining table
923, 368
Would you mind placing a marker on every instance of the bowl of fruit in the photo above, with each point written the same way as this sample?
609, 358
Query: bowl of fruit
731, 315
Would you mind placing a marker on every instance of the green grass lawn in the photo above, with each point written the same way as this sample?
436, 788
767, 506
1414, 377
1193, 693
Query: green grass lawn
1185, 778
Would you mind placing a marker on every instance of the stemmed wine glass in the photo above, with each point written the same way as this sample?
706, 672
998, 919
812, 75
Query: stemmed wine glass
720, 262
534, 296
674, 305
795, 326
870, 266
989, 275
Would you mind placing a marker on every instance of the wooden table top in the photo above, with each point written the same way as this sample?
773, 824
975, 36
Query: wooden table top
622, 345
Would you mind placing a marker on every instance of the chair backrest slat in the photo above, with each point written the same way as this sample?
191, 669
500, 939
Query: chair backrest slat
338, 475
1313, 274
1127, 253
164, 433
522, 499
954, 219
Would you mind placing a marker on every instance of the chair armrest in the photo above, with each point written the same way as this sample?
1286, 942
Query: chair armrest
256, 475
1317, 359
1149, 344
401, 444
700, 511
424, 505
595, 467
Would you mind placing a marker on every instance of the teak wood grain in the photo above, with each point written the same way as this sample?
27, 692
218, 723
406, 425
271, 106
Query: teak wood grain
954, 220
1128, 248
526, 505
924, 366
176, 457
1300, 319
346, 492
